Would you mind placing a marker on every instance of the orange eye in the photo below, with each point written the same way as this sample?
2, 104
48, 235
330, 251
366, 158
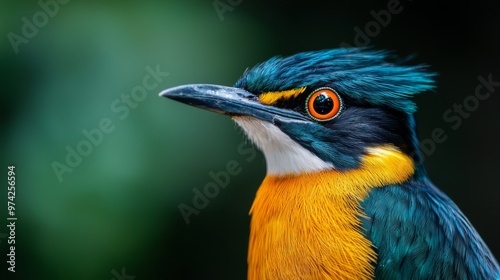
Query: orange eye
324, 104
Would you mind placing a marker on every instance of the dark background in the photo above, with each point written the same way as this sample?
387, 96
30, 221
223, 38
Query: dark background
119, 207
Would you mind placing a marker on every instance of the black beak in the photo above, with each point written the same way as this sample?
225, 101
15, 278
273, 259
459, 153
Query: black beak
230, 101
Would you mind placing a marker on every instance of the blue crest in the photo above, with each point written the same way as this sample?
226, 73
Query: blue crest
375, 77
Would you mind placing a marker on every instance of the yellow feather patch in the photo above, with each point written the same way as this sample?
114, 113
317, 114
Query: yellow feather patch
307, 226
271, 97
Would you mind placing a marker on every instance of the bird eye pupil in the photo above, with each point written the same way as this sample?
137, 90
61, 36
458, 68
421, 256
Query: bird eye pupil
323, 104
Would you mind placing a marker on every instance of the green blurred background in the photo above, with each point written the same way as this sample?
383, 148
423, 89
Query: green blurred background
118, 208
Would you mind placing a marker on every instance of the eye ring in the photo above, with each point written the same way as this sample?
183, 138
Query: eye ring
323, 104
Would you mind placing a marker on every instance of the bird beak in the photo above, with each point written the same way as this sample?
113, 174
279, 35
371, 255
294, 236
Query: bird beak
229, 101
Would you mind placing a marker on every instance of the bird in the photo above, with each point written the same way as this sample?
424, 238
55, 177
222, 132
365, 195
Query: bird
346, 194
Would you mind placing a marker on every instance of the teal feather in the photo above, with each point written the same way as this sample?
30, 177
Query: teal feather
419, 233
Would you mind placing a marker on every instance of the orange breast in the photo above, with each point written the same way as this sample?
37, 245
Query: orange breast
307, 226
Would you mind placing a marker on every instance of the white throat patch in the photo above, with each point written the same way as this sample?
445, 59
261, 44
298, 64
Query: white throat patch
283, 155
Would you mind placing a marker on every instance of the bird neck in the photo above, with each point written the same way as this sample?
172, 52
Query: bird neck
308, 227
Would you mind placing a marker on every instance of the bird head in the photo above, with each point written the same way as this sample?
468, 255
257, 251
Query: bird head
320, 110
